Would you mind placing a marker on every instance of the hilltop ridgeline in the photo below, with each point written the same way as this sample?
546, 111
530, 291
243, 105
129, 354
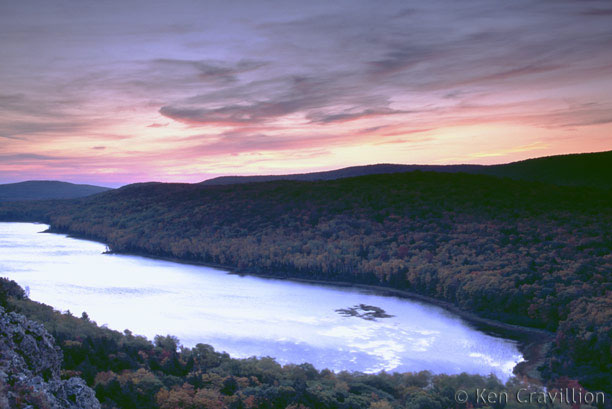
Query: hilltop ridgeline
586, 169
46, 189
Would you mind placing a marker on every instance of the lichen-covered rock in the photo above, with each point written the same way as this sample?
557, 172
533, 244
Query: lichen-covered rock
73, 393
30, 365
31, 348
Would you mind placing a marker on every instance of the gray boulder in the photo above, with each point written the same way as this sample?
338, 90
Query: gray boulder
30, 364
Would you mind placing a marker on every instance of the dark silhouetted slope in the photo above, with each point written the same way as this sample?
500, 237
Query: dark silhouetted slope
352, 171
46, 189
582, 169
585, 169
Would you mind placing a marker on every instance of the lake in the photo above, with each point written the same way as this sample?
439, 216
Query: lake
331, 327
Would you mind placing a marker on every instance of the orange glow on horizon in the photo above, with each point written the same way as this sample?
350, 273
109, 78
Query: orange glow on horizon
186, 92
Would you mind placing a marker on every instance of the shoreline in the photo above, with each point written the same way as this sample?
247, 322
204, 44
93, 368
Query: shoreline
533, 343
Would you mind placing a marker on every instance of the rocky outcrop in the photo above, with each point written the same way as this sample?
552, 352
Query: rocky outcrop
30, 365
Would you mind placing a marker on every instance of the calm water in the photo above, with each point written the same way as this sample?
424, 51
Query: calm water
245, 316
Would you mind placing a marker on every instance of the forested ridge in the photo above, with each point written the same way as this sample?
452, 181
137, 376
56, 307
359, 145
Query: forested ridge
578, 169
520, 252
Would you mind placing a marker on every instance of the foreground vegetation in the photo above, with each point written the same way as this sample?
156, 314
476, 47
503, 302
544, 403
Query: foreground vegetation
128, 371
521, 252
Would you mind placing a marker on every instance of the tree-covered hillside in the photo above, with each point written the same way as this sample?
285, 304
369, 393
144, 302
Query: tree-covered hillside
521, 252
585, 169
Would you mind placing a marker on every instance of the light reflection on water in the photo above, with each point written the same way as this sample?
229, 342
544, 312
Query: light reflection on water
244, 315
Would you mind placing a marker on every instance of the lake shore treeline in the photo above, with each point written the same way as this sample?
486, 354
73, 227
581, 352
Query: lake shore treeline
524, 253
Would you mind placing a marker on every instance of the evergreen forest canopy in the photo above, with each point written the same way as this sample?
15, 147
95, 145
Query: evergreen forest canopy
525, 253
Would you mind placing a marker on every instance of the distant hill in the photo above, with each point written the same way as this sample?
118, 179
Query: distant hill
46, 189
580, 169
584, 169
352, 171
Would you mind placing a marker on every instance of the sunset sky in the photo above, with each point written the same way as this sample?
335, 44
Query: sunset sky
115, 92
